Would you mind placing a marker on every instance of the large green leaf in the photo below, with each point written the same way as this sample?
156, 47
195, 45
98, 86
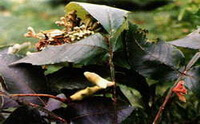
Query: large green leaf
21, 78
191, 41
90, 50
110, 18
155, 60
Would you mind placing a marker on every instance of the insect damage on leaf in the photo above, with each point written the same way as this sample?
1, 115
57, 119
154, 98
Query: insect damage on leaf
180, 90
74, 30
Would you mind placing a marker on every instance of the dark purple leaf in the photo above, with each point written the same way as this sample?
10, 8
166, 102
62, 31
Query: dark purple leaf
96, 110
21, 78
53, 104
159, 61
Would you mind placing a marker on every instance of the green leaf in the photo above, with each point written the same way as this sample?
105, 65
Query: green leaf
159, 61
90, 50
132, 95
110, 18
191, 41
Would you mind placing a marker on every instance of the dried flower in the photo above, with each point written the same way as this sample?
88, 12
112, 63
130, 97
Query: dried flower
74, 30
180, 90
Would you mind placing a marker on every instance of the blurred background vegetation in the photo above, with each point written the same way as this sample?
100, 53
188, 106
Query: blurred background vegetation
164, 19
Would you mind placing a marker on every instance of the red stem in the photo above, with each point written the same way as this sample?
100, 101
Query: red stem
46, 111
64, 100
24, 102
162, 107
170, 93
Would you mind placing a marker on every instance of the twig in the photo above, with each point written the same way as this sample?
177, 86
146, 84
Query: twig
162, 107
51, 114
64, 100
170, 93
27, 103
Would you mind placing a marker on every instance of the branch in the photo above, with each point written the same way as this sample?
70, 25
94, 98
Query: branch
170, 93
64, 100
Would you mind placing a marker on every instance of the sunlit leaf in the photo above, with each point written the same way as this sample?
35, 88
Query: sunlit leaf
191, 41
110, 18
113, 20
90, 50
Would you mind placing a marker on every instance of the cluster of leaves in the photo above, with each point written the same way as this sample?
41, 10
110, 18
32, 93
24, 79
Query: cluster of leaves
137, 66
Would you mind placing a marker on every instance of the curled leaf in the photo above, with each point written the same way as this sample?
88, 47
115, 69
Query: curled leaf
98, 80
111, 18
84, 93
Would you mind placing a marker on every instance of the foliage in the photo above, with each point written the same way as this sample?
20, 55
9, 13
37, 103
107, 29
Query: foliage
178, 18
130, 78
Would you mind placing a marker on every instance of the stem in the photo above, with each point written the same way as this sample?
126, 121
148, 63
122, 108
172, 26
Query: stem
112, 69
162, 107
112, 73
42, 95
27, 103
51, 114
169, 95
